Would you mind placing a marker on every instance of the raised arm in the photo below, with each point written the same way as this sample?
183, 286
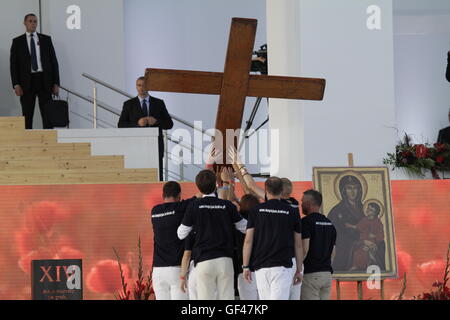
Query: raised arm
227, 178
246, 177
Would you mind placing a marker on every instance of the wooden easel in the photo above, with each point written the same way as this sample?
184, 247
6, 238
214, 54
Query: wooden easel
359, 283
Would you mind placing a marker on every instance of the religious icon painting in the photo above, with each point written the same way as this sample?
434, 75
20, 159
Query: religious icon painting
357, 200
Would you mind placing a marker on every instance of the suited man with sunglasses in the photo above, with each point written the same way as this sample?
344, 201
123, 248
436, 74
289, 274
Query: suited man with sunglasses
146, 111
34, 70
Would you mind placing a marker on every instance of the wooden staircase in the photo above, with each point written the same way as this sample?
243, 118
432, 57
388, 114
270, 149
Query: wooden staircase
34, 157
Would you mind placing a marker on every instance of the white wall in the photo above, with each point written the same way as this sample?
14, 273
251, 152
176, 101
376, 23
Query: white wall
422, 92
97, 49
11, 26
286, 116
358, 110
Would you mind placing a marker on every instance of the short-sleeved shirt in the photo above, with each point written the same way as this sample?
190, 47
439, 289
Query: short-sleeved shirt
166, 218
213, 222
274, 224
293, 203
322, 237
189, 244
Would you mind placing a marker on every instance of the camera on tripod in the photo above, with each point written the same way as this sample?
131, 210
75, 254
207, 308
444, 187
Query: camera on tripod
259, 63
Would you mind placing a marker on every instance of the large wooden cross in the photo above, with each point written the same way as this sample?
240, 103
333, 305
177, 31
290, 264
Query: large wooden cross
235, 83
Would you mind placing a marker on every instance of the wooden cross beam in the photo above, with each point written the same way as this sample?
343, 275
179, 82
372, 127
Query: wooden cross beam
235, 83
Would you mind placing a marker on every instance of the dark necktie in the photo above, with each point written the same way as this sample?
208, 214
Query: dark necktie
144, 107
34, 63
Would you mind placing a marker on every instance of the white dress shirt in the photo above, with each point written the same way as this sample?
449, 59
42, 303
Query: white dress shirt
38, 50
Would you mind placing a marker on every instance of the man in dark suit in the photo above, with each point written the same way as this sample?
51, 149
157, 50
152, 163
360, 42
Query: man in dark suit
444, 134
447, 74
146, 111
34, 70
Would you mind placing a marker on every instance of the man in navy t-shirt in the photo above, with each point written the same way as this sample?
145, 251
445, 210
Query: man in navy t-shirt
319, 240
214, 221
168, 249
273, 234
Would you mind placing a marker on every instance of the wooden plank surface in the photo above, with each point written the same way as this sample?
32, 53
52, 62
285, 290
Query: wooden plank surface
88, 163
236, 74
28, 137
126, 176
183, 81
286, 87
12, 123
199, 82
49, 151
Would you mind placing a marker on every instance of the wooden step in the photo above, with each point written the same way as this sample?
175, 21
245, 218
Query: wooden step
80, 176
57, 151
12, 123
34, 157
28, 137
88, 162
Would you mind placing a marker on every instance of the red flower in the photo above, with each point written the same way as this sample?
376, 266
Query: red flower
430, 271
404, 262
40, 254
42, 216
440, 147
27, 241
104, 277
421, 151
406, 154
68, 253
440, 159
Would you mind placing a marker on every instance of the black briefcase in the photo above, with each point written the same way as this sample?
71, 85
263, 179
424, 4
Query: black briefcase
57, 113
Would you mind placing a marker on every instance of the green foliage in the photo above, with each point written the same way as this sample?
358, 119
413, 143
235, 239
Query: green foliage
416, 159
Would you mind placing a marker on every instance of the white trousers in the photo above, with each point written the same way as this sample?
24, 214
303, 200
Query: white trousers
192, 282
274, 283
215, 279
296, 290
166, 284
247, 291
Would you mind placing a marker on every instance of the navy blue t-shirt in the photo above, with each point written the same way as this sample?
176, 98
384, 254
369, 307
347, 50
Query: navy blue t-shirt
322, 237
293, 203
274, 224
166, 218
213, 222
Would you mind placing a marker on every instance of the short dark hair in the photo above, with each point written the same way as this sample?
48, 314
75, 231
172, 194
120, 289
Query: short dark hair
248, 202
274, 186
171, 189
206, 181
315, 195
287, 186
29, 15
140, 78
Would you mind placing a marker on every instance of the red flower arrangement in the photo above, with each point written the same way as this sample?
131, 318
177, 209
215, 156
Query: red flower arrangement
439, 291
415, 158
142, 290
